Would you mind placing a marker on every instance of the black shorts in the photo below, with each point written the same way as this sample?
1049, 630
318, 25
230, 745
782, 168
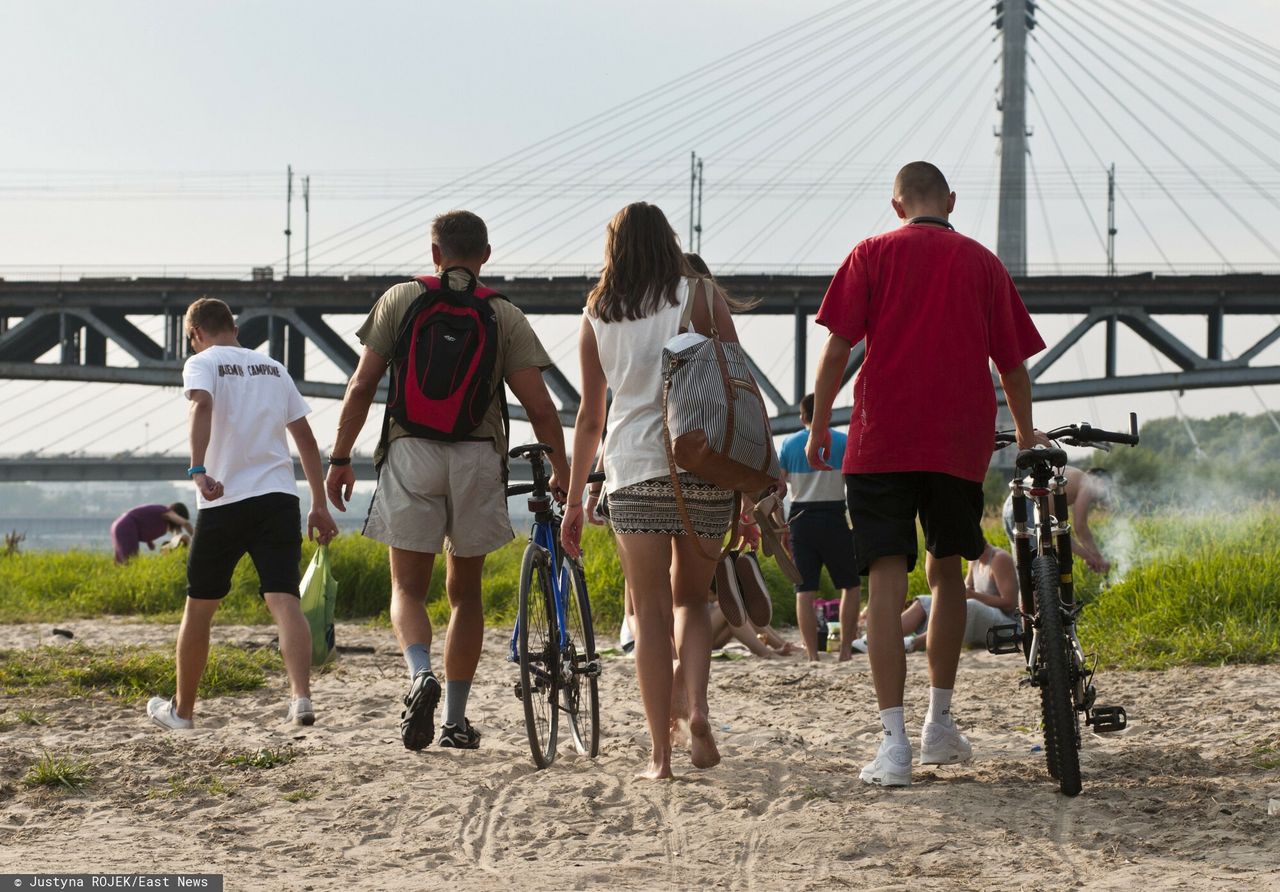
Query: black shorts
883, 508
267, 528
820, 537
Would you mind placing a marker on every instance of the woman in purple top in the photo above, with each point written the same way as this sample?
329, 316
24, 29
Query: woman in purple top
147, 523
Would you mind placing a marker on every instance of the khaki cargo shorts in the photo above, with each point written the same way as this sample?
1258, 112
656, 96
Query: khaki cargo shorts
435, 496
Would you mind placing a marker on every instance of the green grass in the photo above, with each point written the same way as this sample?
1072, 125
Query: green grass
127, 673
1204, 591
1196, 590
180, 787
62, 773
261, 759
300, 796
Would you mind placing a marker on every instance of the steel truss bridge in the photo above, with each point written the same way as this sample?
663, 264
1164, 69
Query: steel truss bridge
77, 320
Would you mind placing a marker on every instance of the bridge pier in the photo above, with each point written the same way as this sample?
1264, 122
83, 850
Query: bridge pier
1111, 348
802, 335
1214, 349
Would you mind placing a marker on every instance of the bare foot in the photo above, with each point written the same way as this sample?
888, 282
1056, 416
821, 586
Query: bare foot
702, 745
659, 768
846, 655
679, 731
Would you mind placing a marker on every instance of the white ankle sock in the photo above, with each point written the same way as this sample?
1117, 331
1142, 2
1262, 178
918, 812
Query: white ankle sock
939, 706
895, 728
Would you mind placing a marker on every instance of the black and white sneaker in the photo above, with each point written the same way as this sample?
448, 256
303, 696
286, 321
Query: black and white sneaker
459, 738
418, 721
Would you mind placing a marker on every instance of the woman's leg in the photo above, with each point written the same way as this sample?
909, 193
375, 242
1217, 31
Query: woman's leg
646, 563
691, 575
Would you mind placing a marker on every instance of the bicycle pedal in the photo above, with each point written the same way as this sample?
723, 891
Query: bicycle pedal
1106, 719
592, 669
519, 689
1004, 639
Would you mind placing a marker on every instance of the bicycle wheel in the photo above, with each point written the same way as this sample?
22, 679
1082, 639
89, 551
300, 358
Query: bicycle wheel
539, 658
580, 667
1061, 733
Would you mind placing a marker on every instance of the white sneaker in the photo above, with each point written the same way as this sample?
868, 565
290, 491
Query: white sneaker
860, 644
301, 712
890, 768
165, 714
943, 744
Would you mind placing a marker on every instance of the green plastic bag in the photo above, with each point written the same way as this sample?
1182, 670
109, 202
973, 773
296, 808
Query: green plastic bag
319, 594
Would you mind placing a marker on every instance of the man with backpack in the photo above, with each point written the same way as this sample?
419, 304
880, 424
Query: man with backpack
934, 307
450, 344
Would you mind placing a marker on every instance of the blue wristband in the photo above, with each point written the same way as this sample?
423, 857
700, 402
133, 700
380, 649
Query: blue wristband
198, 469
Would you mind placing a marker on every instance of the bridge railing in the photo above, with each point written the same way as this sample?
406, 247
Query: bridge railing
247, 272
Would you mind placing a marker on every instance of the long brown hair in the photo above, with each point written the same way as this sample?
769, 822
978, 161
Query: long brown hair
699, 267
642, 265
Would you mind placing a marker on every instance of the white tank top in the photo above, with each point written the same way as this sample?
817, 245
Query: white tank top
631, 356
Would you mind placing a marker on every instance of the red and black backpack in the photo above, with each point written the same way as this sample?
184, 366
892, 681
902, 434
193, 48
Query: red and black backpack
444, 366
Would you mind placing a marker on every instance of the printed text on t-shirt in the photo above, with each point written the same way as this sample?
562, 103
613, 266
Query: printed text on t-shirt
239, 371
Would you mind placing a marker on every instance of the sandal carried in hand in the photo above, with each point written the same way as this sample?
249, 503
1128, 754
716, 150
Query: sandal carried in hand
773, 527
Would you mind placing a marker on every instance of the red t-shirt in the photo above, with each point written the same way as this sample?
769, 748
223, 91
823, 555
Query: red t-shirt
934, 306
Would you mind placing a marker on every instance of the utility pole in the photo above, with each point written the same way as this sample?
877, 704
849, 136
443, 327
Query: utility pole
306, 239
288, 220
695, 202
1111, 220
1015, 18
698, 228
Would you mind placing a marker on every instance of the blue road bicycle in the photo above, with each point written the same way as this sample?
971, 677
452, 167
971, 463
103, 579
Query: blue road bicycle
553, 641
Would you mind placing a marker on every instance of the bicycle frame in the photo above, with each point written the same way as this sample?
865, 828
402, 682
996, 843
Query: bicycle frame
1052, 533
545, 535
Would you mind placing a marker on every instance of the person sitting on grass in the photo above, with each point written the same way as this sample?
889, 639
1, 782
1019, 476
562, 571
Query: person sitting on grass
991, 593
242, 402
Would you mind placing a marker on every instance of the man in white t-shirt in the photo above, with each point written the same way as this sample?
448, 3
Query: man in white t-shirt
242, 402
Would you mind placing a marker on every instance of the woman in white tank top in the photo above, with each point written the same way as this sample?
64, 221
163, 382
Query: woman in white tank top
630, 314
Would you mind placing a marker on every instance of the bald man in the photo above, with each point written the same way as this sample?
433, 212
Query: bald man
935, 307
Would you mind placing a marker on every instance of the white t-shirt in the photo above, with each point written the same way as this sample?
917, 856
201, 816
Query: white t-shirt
253, 399
631, 358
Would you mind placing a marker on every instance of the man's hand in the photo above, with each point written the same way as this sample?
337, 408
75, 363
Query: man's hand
1037, 438
556, 484
571, 531
819, 449
320, 525
208, 487
338, 485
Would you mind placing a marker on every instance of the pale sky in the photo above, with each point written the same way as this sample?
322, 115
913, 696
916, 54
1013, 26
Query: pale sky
141, 137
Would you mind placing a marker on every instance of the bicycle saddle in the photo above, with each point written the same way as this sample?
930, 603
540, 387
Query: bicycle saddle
530, 449
1036, 454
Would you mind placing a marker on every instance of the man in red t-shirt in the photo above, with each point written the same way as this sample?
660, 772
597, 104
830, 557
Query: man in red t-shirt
934, 306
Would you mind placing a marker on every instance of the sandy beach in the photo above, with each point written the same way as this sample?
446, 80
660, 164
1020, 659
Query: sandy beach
1179, 801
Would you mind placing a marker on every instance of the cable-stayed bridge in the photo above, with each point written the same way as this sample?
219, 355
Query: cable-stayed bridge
799, 135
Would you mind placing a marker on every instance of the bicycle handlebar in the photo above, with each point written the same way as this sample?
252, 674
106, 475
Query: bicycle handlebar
1082, 434
520, 489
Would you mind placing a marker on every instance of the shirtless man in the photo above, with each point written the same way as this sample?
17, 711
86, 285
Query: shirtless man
1084, 490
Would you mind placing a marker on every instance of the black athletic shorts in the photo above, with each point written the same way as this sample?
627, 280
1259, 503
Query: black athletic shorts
820, 537
267, 528
883, 508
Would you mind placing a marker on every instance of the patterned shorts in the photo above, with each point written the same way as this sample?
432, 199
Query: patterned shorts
650, 507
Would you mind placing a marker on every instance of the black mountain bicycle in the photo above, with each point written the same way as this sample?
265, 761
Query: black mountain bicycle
553, 641
1056, 663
